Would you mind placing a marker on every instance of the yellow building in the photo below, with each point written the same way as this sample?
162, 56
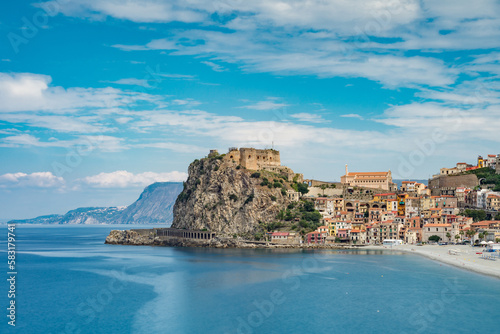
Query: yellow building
402, 204
480, 162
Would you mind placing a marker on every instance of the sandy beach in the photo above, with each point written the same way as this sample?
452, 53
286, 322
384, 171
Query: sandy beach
465, 257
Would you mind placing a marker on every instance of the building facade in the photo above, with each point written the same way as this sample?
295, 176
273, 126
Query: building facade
376, 180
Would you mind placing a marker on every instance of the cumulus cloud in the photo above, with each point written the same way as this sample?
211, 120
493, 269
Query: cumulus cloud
124, 179
33, 92
36, 180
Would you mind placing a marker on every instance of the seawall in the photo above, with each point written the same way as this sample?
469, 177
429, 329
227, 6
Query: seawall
151, 237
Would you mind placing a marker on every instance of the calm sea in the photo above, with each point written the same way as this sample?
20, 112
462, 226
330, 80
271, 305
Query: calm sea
69, 281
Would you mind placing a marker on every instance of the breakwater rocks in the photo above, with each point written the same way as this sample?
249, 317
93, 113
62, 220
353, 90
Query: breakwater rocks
130, 237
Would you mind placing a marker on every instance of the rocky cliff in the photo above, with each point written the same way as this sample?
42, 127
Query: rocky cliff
154, 206
228, 199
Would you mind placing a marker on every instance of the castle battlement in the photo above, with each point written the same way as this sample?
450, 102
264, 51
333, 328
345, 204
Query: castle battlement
254, 159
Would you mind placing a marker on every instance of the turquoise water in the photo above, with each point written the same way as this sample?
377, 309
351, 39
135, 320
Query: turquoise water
70, 282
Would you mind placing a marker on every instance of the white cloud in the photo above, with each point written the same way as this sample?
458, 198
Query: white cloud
232, 130
311, 118
189, 102
98, 142
37, 180
132, 82
175, 147
133, 10
177, 76
32, 92
269, 104
214, 66
451, 123
352, 116
124, 179
316, 37
306, 55
57, 122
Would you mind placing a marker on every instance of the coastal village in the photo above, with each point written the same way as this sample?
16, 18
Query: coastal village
368, 208
247, 198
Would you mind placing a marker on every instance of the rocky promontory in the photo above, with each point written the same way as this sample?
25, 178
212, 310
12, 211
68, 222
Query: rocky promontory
223, 196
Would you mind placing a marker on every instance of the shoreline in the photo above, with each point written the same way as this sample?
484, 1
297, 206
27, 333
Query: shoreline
466, 258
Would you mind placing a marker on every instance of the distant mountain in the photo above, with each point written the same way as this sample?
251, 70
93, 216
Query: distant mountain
154, 206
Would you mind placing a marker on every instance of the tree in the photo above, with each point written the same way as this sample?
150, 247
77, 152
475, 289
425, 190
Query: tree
308, 206
497, 240
485, 233
323, 187
302, 188
457, 236
448, 235
435, 238
476, 215
481, 236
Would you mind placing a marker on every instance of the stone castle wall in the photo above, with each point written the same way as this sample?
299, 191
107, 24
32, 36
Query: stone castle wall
452, 181
255, 159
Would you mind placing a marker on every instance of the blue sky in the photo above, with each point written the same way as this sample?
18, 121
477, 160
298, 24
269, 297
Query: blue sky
100, 98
